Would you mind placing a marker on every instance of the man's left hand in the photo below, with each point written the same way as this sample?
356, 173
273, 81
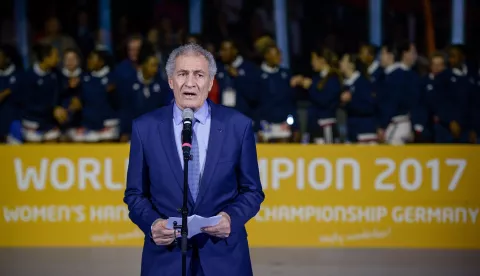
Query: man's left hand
222, 229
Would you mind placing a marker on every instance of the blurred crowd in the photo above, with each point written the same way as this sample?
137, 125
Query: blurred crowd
77, 90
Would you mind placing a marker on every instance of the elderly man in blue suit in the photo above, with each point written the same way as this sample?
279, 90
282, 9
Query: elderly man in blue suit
225, 180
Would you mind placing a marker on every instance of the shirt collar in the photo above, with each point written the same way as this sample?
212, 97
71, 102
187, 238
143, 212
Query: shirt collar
373, 67
7, 70
201, 115
38, 70
71, 74
324, 72
352, 78
465, 69
237, 62
142, 79
392, 67
269, 69
404, 66
102, 72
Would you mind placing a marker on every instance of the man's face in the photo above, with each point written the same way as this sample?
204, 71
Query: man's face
437, 65
227, 52
134, 49
190, 81
3, 60
53, 59
70, 61
455, 58
410, 57
273, 56
365, 55
150, 67
386, 58
52, 26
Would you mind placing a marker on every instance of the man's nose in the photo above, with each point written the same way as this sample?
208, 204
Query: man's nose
190, 82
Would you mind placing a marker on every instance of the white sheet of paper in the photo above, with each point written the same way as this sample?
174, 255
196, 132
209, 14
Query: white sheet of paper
194, 223
229, 97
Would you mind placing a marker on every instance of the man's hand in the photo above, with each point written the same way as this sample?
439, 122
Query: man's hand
60, 114
161, 235
473, 137
296, 81
75, 104
306, 83
222, 229
346, 97
455, 129
4, 94
381, 135
232, 71
124, 138
73, 82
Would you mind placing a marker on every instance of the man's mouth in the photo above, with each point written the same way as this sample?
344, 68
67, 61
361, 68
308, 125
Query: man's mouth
189, 94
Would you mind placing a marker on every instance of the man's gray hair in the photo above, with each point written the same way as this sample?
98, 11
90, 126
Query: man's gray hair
190, 49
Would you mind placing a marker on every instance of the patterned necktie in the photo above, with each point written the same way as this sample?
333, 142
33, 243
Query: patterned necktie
194, 168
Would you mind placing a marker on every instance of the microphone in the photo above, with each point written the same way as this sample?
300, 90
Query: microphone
187, 116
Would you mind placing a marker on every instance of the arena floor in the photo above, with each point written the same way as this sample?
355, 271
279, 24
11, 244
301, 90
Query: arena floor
267, 262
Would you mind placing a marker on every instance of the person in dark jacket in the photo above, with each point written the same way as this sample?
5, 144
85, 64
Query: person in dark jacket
358, 100
40, 98
276, 113
9, 79
324, 90
98, 102
144, 92
238, 79
394, 99
70, 77
425, 113
453, 89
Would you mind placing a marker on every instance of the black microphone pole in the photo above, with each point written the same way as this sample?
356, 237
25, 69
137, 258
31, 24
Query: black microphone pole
186, 147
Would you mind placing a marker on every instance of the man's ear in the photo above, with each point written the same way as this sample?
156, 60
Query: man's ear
210, 85
170, 83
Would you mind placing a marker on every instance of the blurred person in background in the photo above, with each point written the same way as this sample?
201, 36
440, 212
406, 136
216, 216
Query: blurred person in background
238, 79
153, 38
324, 90
170, 37
83, 35
368, 56
475, 111
424, 114
98, 102
192, 38
54, 37
358, 100
214, 94
408, 60
40, 98
70, 77
393, 98
276, 113
129, 66
452, 92
9, 79
143, 93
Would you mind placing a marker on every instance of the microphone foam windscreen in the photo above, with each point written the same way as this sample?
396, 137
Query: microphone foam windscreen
187, 114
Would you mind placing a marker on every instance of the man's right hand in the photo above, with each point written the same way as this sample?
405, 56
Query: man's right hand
161, 235
455, 129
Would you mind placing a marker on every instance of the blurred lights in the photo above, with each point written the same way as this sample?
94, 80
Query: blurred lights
290, 120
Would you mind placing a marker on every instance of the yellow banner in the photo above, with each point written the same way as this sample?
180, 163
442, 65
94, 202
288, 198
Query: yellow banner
316, 196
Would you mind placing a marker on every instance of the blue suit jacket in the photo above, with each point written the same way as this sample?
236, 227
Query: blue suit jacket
230, 183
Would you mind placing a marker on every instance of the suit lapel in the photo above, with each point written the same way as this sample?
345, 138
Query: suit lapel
215, 142
170, 147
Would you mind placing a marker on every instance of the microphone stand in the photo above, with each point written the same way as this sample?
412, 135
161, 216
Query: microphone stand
184, 210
